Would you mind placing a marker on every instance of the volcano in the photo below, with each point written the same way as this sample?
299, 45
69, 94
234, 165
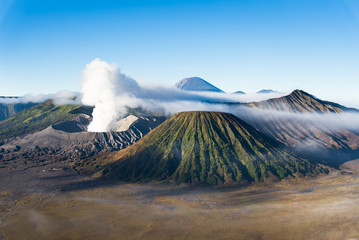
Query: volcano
200, 147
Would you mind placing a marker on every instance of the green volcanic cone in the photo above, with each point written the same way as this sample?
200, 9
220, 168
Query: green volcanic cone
200, 147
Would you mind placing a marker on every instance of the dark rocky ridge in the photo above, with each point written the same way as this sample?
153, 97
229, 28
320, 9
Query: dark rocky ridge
307, 136
301, 102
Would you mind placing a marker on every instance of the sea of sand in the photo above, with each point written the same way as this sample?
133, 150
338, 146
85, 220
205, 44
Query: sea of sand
53, 203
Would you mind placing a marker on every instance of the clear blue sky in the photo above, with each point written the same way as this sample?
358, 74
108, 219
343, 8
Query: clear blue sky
236, 45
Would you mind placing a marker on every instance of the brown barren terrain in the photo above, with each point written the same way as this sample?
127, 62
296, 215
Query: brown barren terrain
325, 207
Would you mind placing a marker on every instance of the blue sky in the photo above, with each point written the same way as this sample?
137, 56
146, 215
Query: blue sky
243, 45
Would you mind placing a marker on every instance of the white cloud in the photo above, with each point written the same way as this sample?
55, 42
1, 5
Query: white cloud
111, 92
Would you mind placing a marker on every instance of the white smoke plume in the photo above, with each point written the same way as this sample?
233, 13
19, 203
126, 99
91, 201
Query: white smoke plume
104, 87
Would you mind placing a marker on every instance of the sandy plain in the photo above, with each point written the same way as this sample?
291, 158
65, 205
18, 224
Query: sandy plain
59, 204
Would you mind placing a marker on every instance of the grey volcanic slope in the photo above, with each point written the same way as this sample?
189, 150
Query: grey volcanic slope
200, 147
196, 84
69, 141
77, 124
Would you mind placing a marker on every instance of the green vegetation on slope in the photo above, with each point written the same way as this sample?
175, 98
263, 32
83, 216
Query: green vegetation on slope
200, 147
38, 118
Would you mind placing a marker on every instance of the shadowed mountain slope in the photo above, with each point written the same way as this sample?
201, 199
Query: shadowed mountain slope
57, 134
70, 141
303, 122
10, 109
200, 147
300, 101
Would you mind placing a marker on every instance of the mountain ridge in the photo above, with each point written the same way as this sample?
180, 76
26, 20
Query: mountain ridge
300, 101
298, 121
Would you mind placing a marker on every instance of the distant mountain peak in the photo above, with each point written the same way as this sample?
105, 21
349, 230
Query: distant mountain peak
239, 92
267, 91
196, 84
300, 92
9, 97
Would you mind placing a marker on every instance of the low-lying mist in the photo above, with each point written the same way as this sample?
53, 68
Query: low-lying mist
59, 98
111, 92
334, 121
